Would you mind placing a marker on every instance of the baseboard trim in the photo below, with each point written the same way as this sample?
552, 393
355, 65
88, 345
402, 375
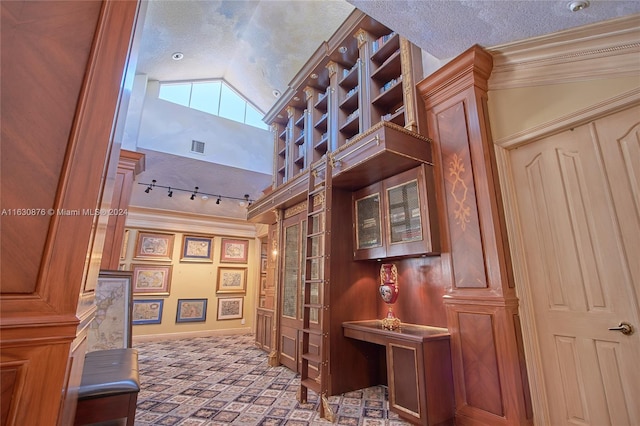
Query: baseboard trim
190, 334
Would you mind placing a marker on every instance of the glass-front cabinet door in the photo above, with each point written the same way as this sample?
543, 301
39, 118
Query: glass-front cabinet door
367, 211
392, 218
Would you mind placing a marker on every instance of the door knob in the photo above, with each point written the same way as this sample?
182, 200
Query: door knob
624, 327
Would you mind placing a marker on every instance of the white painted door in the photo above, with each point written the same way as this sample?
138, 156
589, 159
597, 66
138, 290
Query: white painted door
578, 203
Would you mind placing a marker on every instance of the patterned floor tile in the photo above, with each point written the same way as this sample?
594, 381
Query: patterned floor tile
226, 380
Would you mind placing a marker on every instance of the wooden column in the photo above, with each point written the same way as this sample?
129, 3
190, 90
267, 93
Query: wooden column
130, 164
482, 309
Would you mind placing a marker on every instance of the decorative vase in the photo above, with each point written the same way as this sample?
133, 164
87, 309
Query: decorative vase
389, 292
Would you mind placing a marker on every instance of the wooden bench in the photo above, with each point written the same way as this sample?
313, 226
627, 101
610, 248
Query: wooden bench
109, 387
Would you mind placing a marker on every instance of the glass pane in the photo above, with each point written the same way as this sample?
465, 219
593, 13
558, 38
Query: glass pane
313, 314
231, 105
404, 213
368, 231
254, 118
291, 272
303, 262
178, 93
206, 97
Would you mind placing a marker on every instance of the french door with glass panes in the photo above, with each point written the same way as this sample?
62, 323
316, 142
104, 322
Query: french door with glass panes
291, 295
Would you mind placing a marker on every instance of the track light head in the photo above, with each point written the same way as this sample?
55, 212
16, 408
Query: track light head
218, 200
170, 194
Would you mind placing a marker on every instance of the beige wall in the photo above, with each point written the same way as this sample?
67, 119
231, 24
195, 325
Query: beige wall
515, 110
195, 280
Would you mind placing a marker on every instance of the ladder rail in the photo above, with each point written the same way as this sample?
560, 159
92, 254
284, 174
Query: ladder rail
316, 277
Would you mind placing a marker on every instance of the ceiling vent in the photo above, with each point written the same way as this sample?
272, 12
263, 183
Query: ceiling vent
197, 147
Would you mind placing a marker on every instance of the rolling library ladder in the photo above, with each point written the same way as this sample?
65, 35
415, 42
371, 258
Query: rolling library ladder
315, 322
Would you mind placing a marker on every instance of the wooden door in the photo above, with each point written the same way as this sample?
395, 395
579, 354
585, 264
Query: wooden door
578, 205
290, 318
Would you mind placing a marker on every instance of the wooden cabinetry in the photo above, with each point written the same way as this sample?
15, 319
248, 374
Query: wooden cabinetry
53, 170
392, 217
419, 376
356, 79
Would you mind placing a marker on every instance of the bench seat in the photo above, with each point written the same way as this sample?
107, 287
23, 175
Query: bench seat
109, 387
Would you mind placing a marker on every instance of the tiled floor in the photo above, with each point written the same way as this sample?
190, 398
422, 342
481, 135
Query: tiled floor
225, 380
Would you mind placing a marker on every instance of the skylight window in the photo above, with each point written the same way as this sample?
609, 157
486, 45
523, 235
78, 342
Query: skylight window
213, 97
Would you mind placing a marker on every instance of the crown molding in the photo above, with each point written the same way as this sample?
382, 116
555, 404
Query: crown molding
607, 49
166, 220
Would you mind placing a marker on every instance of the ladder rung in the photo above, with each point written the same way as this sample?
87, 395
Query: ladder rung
313, 281
312, 358
315, 234
317, 189
316, 257
313, 331
311, 384
315, 212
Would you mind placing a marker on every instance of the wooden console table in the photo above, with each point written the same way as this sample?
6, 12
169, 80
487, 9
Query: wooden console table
419, 371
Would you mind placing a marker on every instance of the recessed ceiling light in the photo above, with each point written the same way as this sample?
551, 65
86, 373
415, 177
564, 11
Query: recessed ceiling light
296, 98
177, 56
314, 76
578, 5
276, 93
342, 49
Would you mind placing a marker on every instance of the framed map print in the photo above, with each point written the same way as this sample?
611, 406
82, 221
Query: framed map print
230, 308
154, 246
147, 311
111, 326
197, 249
234, 251
191, 310
151, 279
232, 280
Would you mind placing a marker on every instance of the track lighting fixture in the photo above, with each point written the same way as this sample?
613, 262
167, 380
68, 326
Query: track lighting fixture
193, 196
150, 187
245, 200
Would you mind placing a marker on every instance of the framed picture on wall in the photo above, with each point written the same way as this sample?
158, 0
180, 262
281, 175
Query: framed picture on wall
191, 310
111, 328
231, 280
197, 249
263, 265
263, 285
230, 308
234, 251
151, 279
154, 246
147, 311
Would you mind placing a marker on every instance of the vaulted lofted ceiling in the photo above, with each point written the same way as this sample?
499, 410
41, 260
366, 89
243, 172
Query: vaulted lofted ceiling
258, 46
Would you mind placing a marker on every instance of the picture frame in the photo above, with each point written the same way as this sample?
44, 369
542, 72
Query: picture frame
191, 310
234, 251
154, 246
263, 265
125, 244
147, 311
230, 308
111, 327
196, 248
231, 280
263, 285
151, 280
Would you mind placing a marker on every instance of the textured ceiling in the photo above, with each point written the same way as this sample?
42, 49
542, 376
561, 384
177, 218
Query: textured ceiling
256, 46
446, 28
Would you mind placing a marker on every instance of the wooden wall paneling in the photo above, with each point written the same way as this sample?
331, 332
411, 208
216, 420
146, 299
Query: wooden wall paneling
62, 67
487, 357
353, 296
130, 164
